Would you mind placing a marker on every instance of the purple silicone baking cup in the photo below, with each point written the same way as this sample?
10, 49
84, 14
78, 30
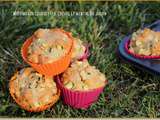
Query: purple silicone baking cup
136, 55
79, 99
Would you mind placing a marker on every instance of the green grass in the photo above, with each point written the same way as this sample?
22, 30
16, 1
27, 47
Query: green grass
132, 92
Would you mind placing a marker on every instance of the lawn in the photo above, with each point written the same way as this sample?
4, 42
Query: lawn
130, 93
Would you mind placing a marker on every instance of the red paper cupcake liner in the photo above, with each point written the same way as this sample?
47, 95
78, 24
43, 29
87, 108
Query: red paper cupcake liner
86, 53
79, 99
137, 55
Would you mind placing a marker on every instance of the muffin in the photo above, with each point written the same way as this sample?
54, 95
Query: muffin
145, 43
78, 49
81, 84
81, 76
48, 51
48, 45
32, 91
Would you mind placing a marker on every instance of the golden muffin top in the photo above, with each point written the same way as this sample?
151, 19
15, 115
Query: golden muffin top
82, 76
78, 49
48, 45
33, 89
145, 42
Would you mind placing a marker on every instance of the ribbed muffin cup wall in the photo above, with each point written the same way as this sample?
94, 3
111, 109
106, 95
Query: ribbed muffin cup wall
78, 99
137, 55
55, 98
72, 98
49, 69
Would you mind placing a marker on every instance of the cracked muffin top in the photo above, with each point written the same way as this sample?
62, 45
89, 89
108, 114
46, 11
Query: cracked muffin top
78, 49
145, 42
82, 76
32, 89
48, 45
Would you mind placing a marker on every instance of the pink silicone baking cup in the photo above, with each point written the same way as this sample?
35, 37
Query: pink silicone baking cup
86, 53
79, 99
136, 55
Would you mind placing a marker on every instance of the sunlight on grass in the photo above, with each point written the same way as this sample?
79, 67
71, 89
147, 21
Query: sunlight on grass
130, 92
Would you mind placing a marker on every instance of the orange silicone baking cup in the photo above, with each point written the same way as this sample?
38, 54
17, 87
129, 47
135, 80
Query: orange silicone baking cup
49, 69
26, 107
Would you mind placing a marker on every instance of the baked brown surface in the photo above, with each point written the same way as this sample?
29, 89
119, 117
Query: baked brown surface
48, 45
82, 76
145, 42
33, 91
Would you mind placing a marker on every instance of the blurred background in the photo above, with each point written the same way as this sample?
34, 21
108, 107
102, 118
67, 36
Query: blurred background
130, 92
